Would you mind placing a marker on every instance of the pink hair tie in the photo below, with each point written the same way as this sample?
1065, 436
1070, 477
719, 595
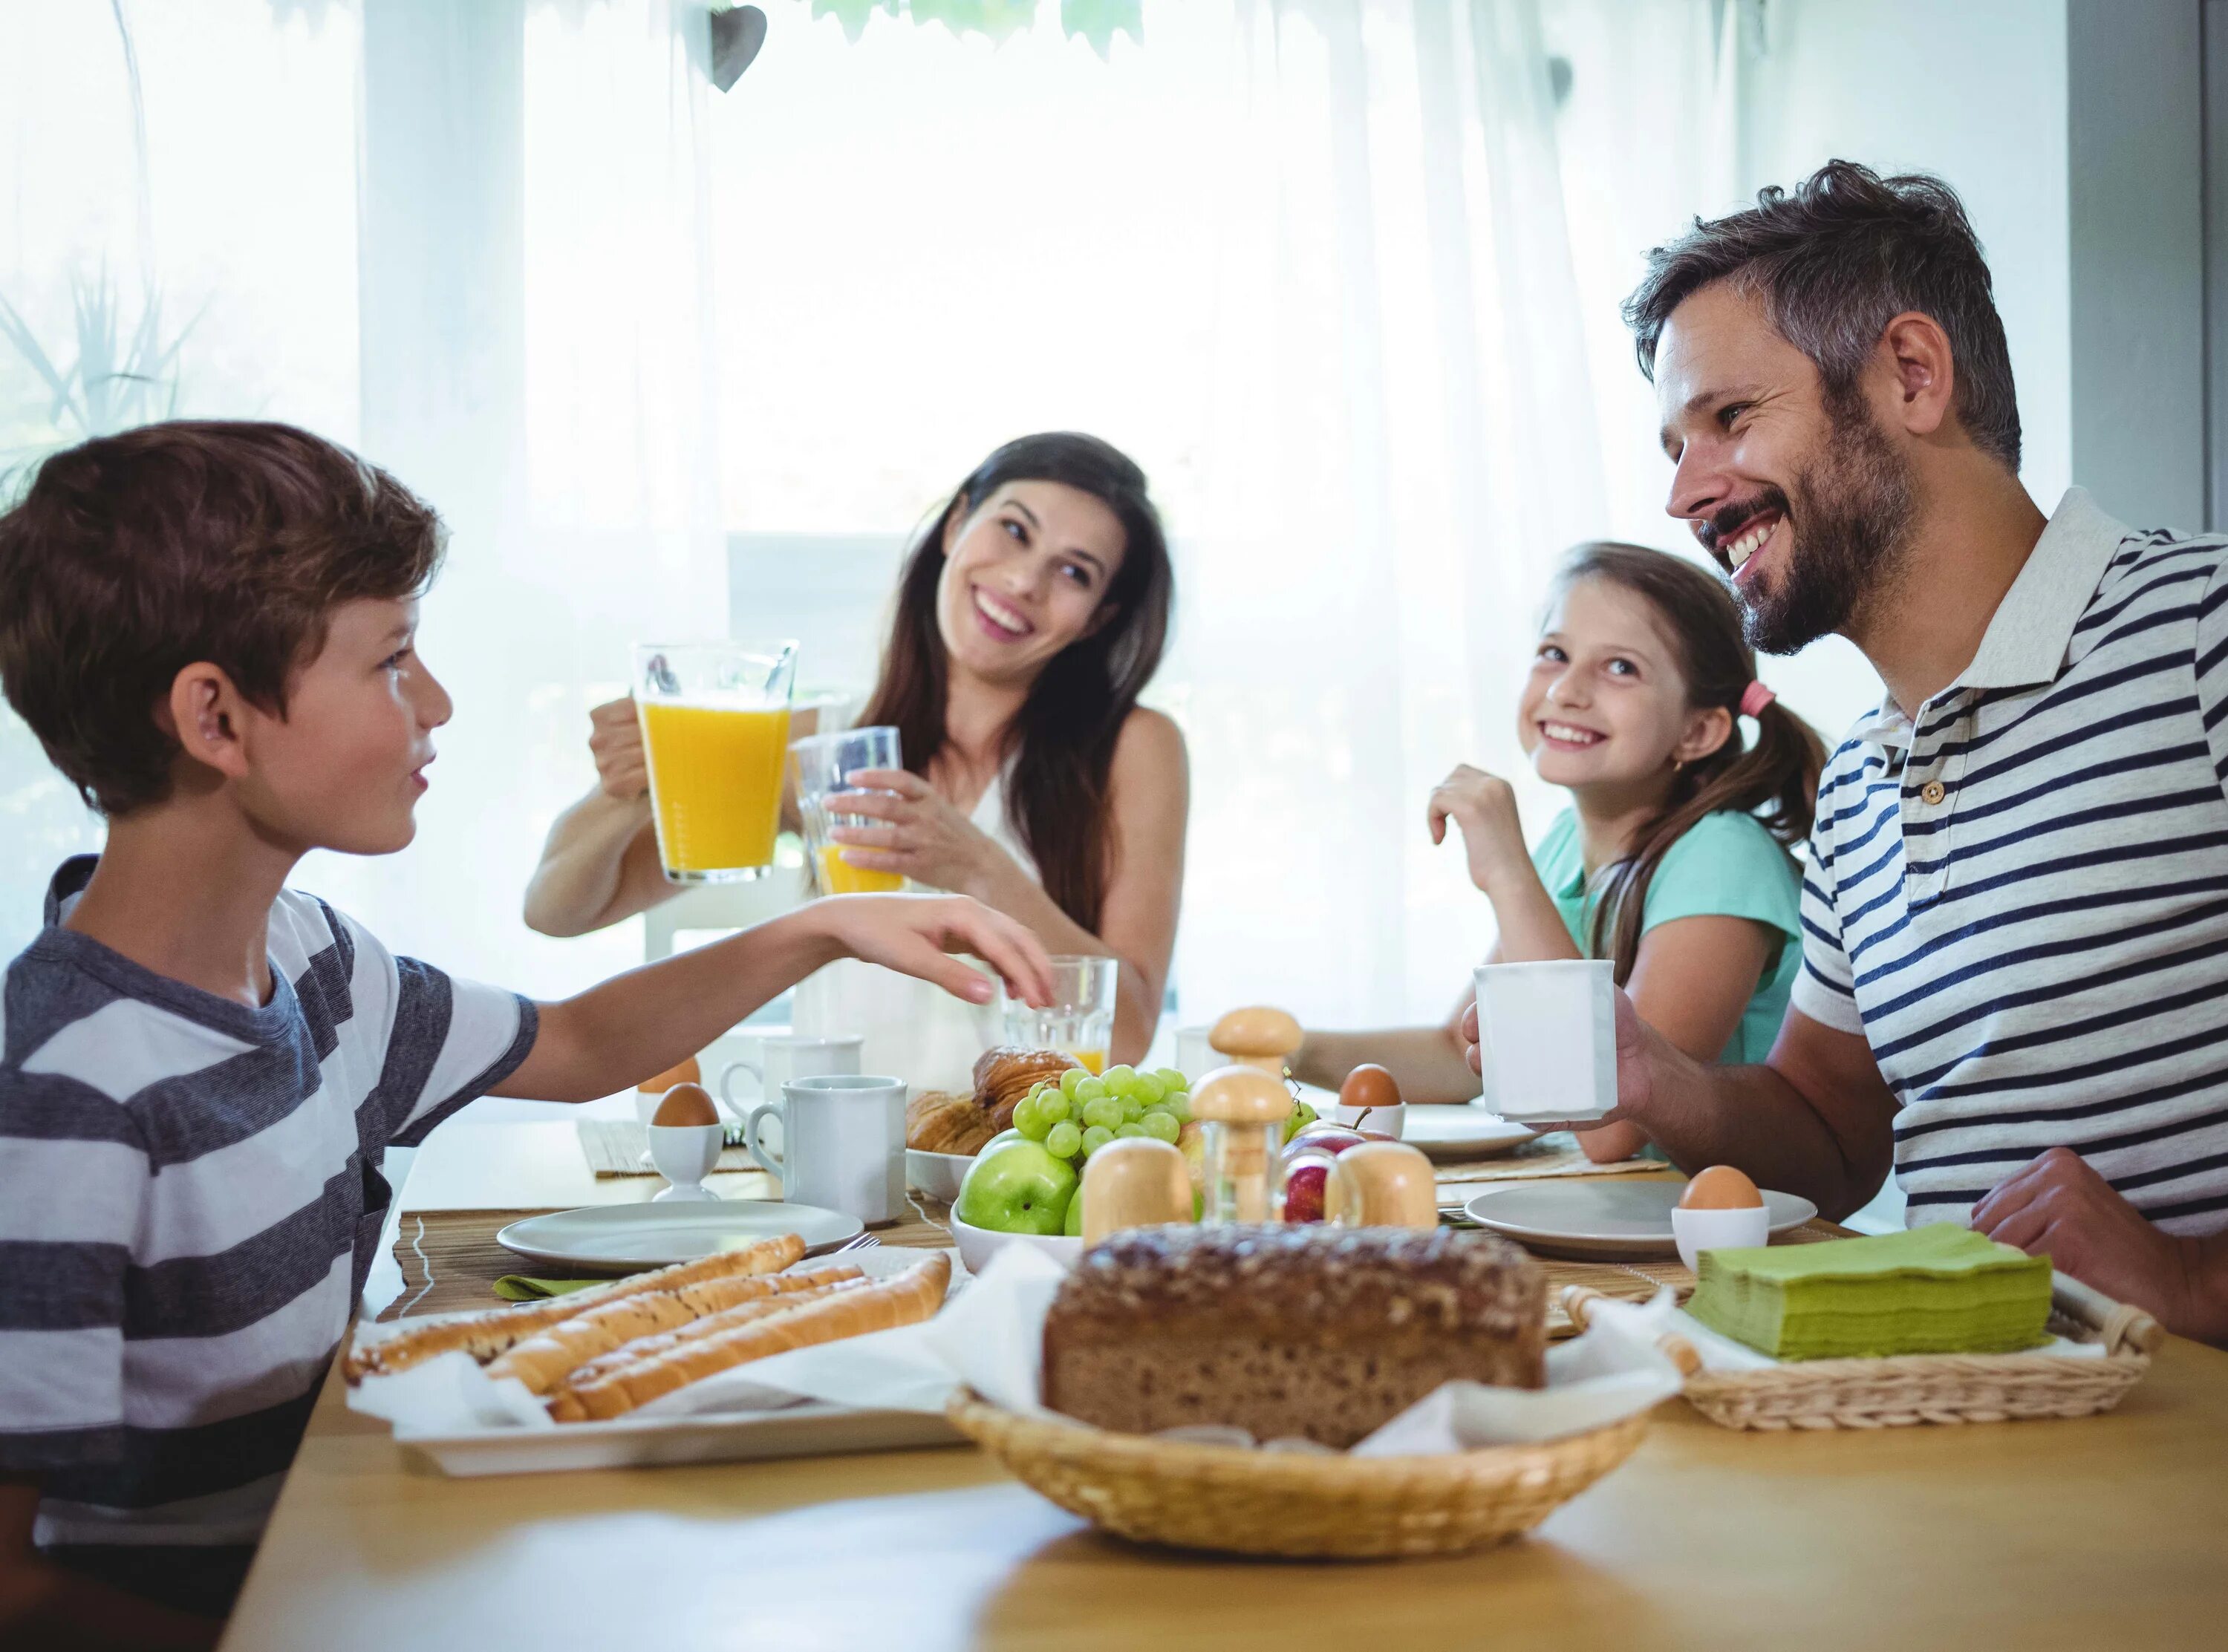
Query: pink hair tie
1754, 699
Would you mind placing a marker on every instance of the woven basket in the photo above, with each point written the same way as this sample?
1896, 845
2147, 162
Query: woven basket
1906, 1389
1236, 1500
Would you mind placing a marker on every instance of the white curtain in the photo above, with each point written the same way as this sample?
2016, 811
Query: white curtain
1415, 412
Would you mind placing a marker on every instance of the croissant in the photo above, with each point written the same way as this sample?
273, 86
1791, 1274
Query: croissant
904, 1299
484, 1336
543, 1358
1006, 1074
939, 1123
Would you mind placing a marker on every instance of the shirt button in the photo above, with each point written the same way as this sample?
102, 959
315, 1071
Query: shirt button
1932, 793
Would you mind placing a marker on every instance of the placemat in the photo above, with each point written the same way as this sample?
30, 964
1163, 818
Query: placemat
1558, 1154
450, 1260
617, 1147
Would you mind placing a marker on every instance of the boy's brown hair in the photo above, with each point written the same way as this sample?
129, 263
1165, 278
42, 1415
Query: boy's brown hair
133, 556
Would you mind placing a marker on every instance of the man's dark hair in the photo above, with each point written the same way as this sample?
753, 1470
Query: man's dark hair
1834, 262
133, 556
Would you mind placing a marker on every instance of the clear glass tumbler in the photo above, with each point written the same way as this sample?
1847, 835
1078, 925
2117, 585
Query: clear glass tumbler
714, 725
1080, 1019
822, 766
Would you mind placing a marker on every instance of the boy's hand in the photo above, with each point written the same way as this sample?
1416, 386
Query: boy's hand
915, 933
615, 742
1484, 806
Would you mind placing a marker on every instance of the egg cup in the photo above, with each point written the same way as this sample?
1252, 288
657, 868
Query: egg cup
684, 1155
1742, 1228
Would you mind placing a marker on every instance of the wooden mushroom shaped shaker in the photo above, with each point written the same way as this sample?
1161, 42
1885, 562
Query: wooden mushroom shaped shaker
1257, 1037
1381, 1184
1133, 1182
1243, 1110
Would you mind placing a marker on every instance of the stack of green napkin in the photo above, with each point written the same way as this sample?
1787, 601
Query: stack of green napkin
1935, 1290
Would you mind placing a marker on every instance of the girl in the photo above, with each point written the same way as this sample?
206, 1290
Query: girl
1673, 858
1029, 616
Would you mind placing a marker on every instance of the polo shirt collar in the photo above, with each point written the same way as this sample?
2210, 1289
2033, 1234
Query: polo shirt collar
2028, 635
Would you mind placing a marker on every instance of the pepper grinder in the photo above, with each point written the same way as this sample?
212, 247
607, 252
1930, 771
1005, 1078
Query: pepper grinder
1258, 1036
1243, 1111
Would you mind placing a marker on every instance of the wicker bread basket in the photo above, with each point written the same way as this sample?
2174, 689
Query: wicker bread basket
1227, 1498
1898, 1392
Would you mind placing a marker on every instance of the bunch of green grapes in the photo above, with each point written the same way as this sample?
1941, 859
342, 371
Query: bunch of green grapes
1079, 1114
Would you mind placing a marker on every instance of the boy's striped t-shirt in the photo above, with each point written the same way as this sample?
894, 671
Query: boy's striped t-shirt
189, 1198
2018, 896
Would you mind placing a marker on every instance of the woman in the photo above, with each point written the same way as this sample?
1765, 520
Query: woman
1672, 858
1030, 616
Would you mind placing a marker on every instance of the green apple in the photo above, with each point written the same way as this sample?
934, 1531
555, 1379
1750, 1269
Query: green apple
1303, 1116
1073, 1227
1017, 1188
998, 1141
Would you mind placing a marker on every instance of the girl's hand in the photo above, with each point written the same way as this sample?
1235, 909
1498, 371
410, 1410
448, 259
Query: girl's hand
915, 933
923, 837
615, 741
1484, 806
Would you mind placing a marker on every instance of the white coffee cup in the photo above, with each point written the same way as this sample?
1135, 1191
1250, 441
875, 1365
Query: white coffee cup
783, 1056
1547, 1038
843, 1143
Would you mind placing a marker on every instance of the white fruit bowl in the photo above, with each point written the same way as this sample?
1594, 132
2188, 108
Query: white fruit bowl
978, 1244
938, 1175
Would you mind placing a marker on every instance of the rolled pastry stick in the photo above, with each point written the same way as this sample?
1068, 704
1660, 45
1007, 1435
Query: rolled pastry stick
484, 1336
640, 1348
564, 1403
904, 1299
541, 1361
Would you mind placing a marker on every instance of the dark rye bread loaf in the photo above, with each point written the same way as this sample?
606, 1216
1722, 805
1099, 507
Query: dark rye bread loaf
1325, 1332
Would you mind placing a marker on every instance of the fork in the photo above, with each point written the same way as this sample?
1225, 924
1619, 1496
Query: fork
858, 1244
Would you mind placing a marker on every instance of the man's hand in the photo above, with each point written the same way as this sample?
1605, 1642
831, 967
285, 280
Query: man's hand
1640, 1049
2061, 1207
615, 742
1484, 806
915, 933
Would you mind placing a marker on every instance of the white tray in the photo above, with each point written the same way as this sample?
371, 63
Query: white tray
811, 1429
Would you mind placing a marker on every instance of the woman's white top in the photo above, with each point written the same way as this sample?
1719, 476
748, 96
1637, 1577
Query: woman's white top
913, 1031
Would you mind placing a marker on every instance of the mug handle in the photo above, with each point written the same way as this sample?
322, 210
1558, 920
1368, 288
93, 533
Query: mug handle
766, 1158
745, 1064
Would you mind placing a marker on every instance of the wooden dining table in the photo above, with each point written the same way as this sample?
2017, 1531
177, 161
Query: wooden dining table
2106, 1532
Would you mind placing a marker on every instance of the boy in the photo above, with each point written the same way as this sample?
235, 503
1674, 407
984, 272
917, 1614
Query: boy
209, 627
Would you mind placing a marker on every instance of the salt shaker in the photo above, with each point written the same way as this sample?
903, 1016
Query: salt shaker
1243, 1111
1259, 1037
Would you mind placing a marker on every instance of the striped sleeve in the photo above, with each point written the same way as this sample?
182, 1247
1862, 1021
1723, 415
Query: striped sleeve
2212, 667
1825, 987
70, 1207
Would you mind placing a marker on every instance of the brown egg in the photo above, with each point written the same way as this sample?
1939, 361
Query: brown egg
1369, 1086
685, 1104
1382, 1184
1133, 1183
687, 1073
1720, 1188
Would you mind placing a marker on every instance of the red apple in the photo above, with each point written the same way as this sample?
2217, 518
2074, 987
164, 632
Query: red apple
1305, 1177
1328, 1137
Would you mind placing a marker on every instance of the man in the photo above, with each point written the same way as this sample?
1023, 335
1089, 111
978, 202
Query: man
2015, 974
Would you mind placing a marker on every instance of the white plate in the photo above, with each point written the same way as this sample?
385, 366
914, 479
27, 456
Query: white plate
628, 1238
813, 1429
1463, 1132
938, 1175
1602, 1218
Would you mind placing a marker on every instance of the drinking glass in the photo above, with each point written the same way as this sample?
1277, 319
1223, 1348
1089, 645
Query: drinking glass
1080, 1019
714, 724
823, 766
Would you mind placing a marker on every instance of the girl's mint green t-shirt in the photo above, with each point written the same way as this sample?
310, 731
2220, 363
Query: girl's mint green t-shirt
1728, 865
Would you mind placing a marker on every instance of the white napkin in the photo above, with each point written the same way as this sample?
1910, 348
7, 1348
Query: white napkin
990, 1337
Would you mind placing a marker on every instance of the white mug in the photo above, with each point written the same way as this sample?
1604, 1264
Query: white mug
1547, 1038
786, 1056
842, 1143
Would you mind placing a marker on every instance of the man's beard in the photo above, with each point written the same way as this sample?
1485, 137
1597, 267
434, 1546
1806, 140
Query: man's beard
1850, 514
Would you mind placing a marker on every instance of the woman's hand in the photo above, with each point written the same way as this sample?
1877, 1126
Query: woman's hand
923, 836
916, 933
1484, 806
615, 742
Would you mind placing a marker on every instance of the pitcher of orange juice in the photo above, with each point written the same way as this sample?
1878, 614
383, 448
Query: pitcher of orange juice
822, 766
714, 724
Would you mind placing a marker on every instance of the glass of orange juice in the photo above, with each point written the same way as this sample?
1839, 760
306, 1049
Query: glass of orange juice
822, 766
1080, 1018
714, 724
